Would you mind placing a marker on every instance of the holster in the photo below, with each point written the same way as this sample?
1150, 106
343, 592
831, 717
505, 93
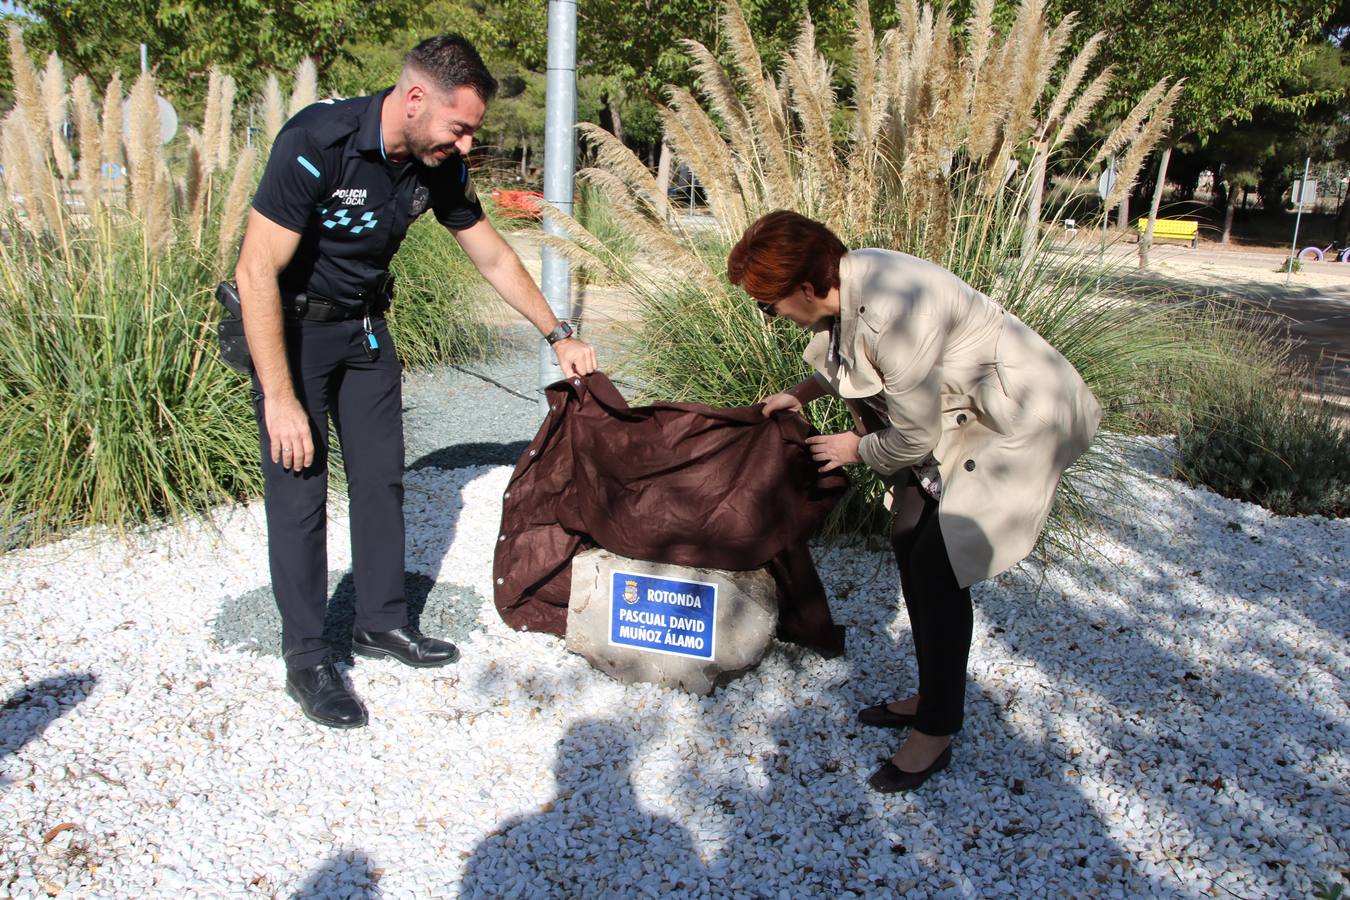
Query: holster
230, 331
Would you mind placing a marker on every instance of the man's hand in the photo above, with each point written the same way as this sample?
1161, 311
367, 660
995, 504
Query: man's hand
834, 450
288, 434
575, 357
781, 402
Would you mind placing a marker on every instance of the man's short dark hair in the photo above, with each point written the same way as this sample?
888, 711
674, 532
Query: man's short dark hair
453, 62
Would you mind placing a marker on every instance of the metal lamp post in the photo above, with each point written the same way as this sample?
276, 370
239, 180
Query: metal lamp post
559, 167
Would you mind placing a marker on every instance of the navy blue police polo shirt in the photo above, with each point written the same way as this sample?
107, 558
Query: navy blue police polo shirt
327, 180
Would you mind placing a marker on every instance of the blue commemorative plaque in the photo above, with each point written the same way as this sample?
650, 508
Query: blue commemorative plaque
663, 615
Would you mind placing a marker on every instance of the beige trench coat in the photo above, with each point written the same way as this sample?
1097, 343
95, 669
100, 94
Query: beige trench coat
1003, 412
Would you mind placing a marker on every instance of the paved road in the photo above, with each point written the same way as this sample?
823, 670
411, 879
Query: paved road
1312, 310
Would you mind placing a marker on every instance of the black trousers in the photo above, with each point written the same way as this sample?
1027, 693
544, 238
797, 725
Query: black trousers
333, 376
940, 613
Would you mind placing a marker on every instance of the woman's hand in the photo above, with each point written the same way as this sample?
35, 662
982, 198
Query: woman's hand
834, 450
784, 401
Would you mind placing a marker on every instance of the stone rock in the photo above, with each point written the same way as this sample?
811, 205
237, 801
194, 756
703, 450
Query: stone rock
676, 626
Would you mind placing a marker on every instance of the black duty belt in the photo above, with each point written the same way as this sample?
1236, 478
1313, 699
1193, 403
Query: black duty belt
313, 308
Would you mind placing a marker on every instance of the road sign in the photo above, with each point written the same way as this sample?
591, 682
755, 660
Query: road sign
168, 119
1107, 181
1304, 193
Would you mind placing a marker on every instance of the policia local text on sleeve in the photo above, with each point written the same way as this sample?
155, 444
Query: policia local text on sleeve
344, 181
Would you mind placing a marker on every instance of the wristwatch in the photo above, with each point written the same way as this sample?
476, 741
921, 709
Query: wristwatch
561, 333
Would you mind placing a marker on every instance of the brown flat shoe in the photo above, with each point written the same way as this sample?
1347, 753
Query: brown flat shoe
890, 778
880, 717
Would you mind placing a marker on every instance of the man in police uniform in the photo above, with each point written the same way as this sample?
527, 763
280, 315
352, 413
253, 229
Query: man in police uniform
344, 181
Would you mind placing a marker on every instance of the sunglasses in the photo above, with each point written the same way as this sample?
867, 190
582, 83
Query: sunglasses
767, 308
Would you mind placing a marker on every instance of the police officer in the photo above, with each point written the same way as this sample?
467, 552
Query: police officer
344, 181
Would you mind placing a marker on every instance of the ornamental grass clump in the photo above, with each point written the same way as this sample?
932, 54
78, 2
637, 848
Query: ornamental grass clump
941, 152
114, 406
437, 313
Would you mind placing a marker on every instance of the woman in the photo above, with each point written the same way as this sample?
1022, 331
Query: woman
969, 416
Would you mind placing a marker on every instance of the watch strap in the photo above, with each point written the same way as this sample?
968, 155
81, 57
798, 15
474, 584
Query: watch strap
561, 333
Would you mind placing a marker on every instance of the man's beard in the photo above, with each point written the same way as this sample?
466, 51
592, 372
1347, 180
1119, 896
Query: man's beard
425, 152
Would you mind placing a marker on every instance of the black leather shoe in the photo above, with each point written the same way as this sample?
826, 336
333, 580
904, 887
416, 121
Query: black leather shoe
880, 717
407, 645
325, 697
890, 778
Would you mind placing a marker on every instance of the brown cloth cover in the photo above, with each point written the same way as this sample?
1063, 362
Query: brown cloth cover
677, 483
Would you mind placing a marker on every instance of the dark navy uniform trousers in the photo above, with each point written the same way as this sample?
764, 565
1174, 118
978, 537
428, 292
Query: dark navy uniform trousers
333, 376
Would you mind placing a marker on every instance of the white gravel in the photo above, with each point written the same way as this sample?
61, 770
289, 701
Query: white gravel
1170, 721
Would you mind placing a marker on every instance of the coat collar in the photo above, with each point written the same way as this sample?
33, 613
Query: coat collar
835, 353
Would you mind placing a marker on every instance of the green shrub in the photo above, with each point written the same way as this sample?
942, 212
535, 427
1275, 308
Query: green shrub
437, 313
1250, 436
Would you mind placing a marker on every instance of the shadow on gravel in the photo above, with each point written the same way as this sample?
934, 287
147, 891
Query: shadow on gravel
479, 453
251, 621
348, 875
595, 814
1229, 733
1002, 820
1144, 730
784, 797
29, 710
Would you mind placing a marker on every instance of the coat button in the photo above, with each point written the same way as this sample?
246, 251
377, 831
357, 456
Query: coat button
970, 465
862, 309
960, 418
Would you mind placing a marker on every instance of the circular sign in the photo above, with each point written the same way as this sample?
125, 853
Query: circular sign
168, 119
1106, 182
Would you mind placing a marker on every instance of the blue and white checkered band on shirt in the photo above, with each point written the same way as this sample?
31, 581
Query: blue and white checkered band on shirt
341, 219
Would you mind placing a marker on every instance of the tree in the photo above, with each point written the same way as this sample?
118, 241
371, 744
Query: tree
636, 47
248, 39
1234, 56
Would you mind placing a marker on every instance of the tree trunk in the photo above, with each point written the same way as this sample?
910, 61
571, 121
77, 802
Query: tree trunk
1123, 212
1147, 239
609, 115
1031, 229
663, 181
1228, 212
525, 161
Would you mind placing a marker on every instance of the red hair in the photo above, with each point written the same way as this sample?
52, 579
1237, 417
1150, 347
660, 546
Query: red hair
780, 252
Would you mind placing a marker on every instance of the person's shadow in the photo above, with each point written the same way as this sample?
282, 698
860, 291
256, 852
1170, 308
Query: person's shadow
347, 875
29, 710
594, 839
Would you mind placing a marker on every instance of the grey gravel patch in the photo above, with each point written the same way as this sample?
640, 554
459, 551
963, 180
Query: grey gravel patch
453, 419
251, 621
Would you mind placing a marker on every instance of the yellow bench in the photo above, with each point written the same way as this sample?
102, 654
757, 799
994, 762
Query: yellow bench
1171, 230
